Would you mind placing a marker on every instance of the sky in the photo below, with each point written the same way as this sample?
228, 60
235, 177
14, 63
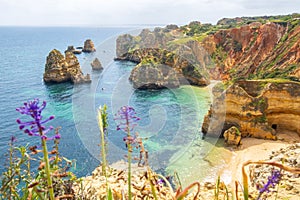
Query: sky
131, 12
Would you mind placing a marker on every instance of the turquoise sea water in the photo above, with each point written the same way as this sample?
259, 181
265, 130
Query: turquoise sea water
23, 52
170, 119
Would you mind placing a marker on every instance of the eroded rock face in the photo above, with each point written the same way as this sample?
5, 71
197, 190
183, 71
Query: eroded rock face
154, 76
257, 108
88, 46
96, 64
61, 68
187, 73
255, 51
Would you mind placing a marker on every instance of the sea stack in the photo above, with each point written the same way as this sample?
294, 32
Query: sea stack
61, 68
96, 64
88, 46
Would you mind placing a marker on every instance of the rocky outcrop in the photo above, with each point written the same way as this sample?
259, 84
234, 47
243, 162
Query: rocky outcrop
88, 46
233, 136
154, 76
95, 186
96, 64
73, 50
258, 109
124, 44
61, 68
186, 72
240, 48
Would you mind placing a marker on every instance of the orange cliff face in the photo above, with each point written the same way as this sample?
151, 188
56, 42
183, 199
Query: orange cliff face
254, 49
257, 108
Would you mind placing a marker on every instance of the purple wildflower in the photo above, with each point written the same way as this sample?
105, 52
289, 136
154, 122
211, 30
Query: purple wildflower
160, 182
272, 181
35, 127
127, 119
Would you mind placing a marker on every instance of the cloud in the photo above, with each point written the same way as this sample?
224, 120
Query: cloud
109, 12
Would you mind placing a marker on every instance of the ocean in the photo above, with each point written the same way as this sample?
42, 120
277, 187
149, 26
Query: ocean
170, 122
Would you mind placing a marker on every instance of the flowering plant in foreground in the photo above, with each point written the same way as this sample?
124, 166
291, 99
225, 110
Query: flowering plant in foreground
273, 180
36, 127
127, 119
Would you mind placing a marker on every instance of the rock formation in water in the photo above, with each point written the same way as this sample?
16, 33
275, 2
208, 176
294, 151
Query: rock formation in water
96, 64
259, 109
88, 46
61, 68
73, 50
183, 70
154, 76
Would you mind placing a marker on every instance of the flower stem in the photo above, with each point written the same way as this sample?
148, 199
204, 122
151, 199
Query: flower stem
129, 159
129, 171
47, 168
100, 123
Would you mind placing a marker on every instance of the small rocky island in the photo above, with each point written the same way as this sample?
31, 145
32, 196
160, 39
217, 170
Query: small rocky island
88, 46
66, 68
96, 64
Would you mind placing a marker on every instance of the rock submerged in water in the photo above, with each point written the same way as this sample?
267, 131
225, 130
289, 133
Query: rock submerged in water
88, 46
96, 64
66, 68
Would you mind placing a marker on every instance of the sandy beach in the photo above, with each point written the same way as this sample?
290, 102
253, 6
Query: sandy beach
253, 149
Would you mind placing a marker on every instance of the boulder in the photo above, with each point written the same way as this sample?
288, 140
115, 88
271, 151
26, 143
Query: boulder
59, 68
88, 46
96, 64
233, 136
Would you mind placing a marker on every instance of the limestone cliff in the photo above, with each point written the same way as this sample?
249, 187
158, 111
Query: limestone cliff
258, 109
59, 68
154, 76
185, 71
240, 48
235, 50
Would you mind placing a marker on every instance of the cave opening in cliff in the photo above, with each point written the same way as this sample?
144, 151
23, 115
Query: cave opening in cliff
274, 126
